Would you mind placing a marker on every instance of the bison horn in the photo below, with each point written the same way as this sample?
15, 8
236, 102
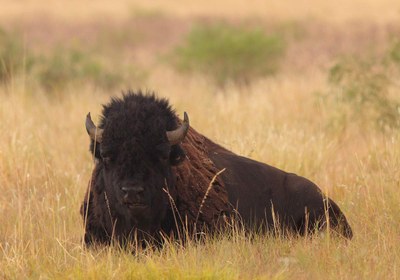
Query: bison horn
176, 136
95, 133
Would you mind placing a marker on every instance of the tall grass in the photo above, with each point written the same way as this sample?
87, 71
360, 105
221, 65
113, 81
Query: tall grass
45, 165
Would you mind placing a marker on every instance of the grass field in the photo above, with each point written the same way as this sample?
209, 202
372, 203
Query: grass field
344, 135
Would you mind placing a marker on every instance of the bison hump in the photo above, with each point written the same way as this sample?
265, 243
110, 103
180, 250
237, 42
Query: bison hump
202, 198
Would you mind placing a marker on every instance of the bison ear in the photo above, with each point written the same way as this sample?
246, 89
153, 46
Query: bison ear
177, 155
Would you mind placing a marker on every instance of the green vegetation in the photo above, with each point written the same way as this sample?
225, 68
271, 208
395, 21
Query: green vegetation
361, 89
66, 67
62, 68
227, 53
14, 59
394, 53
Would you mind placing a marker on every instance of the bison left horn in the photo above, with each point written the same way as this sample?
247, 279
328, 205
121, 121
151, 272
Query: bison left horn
176, 136
96, 134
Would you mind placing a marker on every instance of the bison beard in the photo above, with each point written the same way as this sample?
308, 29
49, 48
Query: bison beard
153, 172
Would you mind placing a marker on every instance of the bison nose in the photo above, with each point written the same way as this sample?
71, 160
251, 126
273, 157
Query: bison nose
133, 195
136, 190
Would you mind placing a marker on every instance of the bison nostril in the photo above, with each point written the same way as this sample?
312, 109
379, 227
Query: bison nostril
135, 190
139, 190
124, 189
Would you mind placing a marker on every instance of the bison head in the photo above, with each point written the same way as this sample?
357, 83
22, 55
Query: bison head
135, 146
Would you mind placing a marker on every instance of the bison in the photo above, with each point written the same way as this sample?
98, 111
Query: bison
154, 175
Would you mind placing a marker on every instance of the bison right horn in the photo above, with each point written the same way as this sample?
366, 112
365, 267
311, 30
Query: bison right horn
176, 136
96, 134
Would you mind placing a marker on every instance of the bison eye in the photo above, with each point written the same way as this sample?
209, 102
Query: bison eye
163, 151
177, 155
164, 159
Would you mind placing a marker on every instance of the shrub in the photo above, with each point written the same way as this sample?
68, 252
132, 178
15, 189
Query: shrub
62, 67
13, 57
360, 90
394, 53
66, 67
229, 54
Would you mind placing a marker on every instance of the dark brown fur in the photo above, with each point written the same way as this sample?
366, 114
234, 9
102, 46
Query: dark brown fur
194, 177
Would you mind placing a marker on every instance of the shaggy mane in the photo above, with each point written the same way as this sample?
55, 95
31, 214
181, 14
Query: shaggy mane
194, 176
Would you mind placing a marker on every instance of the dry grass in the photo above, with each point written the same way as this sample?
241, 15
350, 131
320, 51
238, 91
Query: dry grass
45, 166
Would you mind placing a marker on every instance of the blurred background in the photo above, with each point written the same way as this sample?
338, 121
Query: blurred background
55, 45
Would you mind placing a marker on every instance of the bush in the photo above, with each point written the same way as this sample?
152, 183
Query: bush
13, 57
62, 67
66, 67
360, 90
229, 54
394, 53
